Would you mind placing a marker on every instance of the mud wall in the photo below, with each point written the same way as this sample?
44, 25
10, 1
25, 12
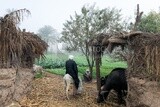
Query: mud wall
14, 84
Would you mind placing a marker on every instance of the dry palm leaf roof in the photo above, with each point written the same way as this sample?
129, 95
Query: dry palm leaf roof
14, 42
35, 43
136, 38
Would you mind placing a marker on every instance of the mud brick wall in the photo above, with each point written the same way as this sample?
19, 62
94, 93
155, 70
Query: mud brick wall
14, 84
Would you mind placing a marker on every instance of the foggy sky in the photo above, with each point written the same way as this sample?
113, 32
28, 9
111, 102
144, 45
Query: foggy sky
56, 12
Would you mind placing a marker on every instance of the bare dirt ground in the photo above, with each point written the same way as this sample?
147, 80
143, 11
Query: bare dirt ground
49, 92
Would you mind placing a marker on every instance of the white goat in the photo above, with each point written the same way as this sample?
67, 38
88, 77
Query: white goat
37, 69
68, 80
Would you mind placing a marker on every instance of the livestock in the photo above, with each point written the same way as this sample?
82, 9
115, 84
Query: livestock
103, 80
37, 69
87, 76
68, 80
116, 80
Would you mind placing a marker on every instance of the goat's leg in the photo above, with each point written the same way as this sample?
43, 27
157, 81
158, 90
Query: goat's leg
121, 100
74, 90
67, 89
65, 85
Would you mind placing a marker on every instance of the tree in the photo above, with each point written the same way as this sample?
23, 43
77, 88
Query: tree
48, 34
82, 27
150, 22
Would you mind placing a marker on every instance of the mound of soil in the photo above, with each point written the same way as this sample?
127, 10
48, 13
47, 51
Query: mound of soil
49, 92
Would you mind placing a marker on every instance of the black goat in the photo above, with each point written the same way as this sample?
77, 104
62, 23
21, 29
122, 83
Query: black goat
116, 80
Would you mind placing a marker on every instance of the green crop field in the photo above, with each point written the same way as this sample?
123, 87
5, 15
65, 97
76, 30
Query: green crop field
55, 64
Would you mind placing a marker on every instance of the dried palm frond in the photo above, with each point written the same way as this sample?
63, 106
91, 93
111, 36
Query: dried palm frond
11, 39
17, 16
18, 48
34, 49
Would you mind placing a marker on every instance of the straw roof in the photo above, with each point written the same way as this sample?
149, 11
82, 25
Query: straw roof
16, 45
35, 43
131, 34
97, 40
116, 40
34, 48
133, 39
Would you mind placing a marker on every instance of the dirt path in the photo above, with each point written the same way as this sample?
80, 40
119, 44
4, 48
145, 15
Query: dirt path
49, 92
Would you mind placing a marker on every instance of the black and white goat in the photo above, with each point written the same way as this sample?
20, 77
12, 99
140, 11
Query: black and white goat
68, 80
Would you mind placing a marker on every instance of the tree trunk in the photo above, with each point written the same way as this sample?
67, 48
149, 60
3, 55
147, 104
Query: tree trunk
137, 19
90, 61
90, 65
157, 62
98, 57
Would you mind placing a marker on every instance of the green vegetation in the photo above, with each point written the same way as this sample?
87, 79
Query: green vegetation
150, 22
55, 64
83, 26
38, 75
52, 61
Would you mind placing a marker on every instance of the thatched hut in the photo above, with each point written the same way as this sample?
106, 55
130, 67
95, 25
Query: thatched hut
143, 52
18, 52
